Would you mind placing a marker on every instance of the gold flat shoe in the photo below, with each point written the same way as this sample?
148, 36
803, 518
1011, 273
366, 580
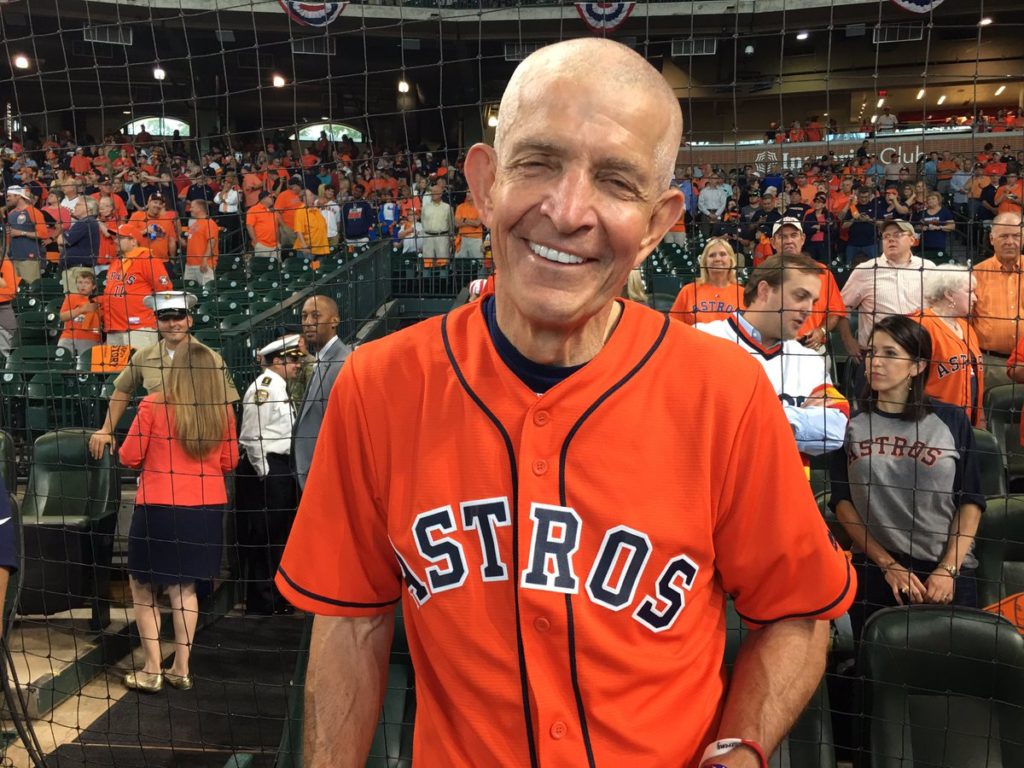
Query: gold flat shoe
181, 682
144, 681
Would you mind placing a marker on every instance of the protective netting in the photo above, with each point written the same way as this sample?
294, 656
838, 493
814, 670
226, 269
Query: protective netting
297, 168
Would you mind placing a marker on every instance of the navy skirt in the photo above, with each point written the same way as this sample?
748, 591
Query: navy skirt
175, 545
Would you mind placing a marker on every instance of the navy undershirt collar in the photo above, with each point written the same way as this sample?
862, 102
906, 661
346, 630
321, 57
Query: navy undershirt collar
538, 377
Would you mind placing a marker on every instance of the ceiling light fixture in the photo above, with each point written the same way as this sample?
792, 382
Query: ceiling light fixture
21, 61
874, 118
159, 73
881, 101
1000, 89
403, 86
802, 36
920, 94
942, 99
492, 121
278, 81
985, 21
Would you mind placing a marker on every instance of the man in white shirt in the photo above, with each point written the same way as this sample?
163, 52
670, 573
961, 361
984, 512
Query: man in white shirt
712, 199
266, 495
331, 211
437, 227
780, 295
892, 284
886, 122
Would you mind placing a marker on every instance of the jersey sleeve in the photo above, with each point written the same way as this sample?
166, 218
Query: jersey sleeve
967, 479
682, 308
339, 560
773, 550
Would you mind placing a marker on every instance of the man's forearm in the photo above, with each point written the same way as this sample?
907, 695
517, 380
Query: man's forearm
777, 670
348, 669
115, 410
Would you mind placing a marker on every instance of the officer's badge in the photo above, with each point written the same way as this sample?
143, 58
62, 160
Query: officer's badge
262, 395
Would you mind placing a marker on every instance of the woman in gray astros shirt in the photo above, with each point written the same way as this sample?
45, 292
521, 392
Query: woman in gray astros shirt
906, 487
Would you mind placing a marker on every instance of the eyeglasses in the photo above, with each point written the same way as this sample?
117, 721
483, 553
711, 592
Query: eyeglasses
168, 315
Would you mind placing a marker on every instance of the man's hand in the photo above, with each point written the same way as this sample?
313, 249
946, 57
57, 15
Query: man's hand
815, 339
99, 441
905, 585
939, 587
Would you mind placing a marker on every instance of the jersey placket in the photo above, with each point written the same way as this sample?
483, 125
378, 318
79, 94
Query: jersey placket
549, 537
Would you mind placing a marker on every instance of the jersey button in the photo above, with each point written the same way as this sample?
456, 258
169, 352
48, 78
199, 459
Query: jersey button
540, 467
541, 624
558, 729
540, 418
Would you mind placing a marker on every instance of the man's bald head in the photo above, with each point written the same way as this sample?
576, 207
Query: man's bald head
625, 75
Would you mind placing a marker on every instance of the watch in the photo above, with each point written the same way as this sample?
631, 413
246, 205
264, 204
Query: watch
954, 572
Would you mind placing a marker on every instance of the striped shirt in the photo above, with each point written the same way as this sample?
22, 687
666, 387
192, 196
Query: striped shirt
879, 288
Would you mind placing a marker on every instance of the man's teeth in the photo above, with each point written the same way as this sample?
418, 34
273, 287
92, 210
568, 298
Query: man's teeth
552, 255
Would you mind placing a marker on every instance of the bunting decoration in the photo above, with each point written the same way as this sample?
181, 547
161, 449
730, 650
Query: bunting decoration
312, 14
604, 17
918, 6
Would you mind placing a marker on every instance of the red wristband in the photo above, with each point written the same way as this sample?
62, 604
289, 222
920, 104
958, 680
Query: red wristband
724, 746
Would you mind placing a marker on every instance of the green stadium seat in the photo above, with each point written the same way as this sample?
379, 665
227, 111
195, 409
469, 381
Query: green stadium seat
69, 517
50, 403
295, 264
259, 266
27, 302
943, 686
211, 337
233, 321
227, 305
51, 287
38, 327
999, 547
231, 280
267, 282
8, 462
991, 463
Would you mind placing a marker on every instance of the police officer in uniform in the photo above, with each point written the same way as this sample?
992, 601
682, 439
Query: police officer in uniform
266, 494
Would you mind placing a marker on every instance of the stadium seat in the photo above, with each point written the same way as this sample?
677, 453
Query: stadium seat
231, 280
261, 266
943, 686
233, 321
50, 287
52, 402
116, 359
69, 517
991, 463
38, 327
998, 402
8, 462
999, 547
227, 305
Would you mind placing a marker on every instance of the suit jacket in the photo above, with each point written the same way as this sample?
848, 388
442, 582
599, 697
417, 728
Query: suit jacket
314, 403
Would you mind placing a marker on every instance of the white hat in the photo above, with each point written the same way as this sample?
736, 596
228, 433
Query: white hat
158, 302
286, 345
790, 221
20, 192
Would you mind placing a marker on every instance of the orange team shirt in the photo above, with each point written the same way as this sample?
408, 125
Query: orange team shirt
130, 280
955, 375
169, 475
829, 304
945, 169
157, 233
287, 203
263, 223
200, 235
85, 326
807, 193
410, 206
108, 244
10, 288
700, 302
469, 211
252, 185
996, 313
1011, 206
542, 550
308, 161
80, 165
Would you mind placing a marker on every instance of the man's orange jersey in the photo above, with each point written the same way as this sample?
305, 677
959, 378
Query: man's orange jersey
701, 302
130, 280
156, 233
564, 591
287, 203
10, 288
829, 303
469, 211
955, 375
201, 234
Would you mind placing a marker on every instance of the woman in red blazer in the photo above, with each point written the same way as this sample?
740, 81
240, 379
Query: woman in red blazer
183, 440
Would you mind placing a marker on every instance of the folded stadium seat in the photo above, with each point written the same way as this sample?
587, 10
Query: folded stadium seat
229, 263
27, 302
202, 318
1014, 451
296, 280
8, 462
69, 517
991, 462
37, 327
264, 305
192, 286
21, 365
999, 398
207, 307
227, 305
52, 402
228, 322
50, 287
242, 294
231, 280
810, 743
259, 266
295, 264
999, 548
265, 282
1002, 410
943, 686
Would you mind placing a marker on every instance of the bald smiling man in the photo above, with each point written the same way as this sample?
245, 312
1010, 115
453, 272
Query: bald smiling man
556, 484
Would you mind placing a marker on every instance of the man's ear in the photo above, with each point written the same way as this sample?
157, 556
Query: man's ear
667, 209
481, 168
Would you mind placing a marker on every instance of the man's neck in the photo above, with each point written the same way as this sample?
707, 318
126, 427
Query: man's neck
900, 258
1008, 264
556, 346
757, 318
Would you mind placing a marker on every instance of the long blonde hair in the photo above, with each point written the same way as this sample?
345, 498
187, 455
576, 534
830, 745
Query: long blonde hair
711, 243
196, 391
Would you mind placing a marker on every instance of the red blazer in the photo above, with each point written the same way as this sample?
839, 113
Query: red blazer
169, 475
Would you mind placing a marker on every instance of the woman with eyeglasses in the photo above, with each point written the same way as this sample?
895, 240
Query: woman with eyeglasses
907, 487
183, 441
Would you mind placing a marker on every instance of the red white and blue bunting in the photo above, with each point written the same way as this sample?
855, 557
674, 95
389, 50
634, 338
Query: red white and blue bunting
604, 17
918, 6
312, 14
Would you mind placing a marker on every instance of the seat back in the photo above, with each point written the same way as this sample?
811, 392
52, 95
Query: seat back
8, 462
999, 548
943, 687
65, 481
991, 463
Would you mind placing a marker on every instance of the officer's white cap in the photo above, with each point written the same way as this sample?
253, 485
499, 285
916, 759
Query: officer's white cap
158, 302
286, 345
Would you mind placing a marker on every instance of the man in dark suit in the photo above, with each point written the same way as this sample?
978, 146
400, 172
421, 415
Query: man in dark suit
319, 328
